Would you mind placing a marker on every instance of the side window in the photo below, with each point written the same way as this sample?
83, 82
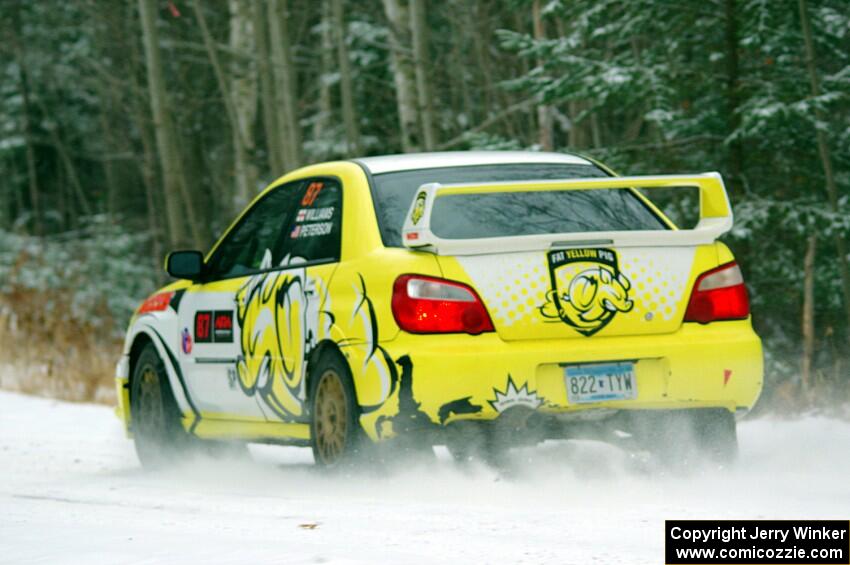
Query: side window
264, 227
314, 234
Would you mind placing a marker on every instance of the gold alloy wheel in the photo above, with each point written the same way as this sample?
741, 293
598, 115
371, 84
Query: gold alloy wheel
151, 414
331, 417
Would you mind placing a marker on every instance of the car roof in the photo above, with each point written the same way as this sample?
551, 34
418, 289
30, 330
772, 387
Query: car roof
415, 161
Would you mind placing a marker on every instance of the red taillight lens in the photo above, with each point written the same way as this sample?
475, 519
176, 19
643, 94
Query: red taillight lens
719, 294
427, 305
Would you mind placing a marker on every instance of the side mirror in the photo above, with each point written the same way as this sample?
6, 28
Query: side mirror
185, 264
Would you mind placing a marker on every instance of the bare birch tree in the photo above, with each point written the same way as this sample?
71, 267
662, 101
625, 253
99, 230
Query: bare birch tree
544, 112
239, 94
808, 325
327, 33
419, 35
270, 119
403, 74
352, 132
26, 130
243, 90
163, 128
286, 88
825, 155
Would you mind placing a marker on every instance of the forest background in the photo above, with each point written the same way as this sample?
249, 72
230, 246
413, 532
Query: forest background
131, 127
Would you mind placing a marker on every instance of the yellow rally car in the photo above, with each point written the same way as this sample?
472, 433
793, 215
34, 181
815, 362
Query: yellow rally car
473, 299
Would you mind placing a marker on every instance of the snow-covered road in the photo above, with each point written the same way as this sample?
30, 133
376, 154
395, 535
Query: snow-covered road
71, 491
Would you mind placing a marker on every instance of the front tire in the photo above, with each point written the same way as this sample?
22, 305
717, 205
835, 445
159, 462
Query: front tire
335, 433
157, 428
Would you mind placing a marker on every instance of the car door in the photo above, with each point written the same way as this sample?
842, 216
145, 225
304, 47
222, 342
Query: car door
283, 311
211, 341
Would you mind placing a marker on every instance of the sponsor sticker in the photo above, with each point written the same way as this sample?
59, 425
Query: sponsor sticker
315, 214
419, 207
311, 230
223, 327
186, 341
513, 396
588, 289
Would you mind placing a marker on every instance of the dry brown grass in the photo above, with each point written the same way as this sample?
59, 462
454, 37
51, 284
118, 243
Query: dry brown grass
50, 354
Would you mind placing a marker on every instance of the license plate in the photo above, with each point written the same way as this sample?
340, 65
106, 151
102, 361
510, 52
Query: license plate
598, 382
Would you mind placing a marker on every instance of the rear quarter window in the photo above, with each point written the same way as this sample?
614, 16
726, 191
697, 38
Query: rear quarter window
314, 233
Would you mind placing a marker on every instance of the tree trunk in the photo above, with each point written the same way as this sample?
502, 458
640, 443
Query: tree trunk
195, 227
733, 119
574, 135
352, 134
147, 168
239, 97
403, 74
66, 160
65, 203
270, 110
462, 84
808, 325
595, 133
70, 169
324, 111
109, 41
18, 195
478, 22
544, 113
9, 194
147, 164
826, 158
421, 58
32, 174
285, 82
243, 91
163, 127
108, 169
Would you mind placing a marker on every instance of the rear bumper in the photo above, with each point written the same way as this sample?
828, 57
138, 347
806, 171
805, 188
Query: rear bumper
455, 378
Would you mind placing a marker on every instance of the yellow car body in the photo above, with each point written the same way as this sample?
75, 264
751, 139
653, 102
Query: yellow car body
254, 386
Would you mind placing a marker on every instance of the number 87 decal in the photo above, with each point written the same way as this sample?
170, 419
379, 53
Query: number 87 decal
202, 327
312, 193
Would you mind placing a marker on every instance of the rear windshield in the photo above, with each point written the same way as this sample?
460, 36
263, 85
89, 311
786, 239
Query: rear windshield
468, 216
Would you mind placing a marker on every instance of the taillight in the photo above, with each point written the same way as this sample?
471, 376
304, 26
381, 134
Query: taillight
427, 305
719, 294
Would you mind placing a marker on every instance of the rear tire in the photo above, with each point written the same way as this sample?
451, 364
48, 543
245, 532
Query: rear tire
717, 435
683, 439
474, 442
335, 433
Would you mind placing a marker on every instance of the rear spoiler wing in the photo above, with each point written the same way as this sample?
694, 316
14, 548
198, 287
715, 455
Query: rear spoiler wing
715, 216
